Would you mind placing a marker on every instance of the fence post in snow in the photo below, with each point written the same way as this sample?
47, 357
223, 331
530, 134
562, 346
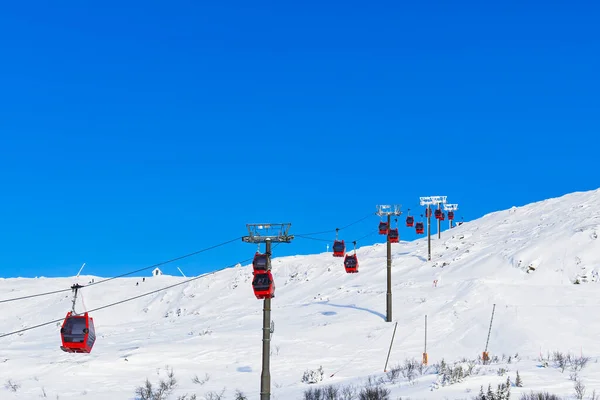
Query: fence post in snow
486, 355
390, 350
425, 357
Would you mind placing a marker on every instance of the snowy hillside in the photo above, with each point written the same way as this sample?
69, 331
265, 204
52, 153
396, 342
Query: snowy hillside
525, 260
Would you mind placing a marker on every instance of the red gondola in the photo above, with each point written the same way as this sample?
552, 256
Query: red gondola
410, 221
77, 333
443, 217
339, 248
450, 215
383, 228
393, 235
427, 212
351, 263
260, 263
420, 228
263, 285
438, 214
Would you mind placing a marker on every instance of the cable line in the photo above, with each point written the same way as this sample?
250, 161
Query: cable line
122, 275
125, 300
333, 230
164, 262
35, 295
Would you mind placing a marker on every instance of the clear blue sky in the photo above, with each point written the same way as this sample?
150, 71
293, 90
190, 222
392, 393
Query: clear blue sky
134, 132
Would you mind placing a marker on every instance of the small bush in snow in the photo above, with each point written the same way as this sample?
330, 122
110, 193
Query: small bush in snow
12, 386
579, 363
579, 389
393, 374
239, 395
330, 392
374, 393
215, 395
162, 391
348, 393
202, 381
410, 368
518, 380
313, 376
539, 396
501, 393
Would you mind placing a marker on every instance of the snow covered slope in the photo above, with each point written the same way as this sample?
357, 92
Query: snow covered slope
524, 260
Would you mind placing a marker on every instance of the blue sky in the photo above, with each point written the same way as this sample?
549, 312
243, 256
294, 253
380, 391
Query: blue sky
136, 132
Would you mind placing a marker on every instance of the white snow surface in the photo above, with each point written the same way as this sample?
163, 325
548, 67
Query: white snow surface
524, 260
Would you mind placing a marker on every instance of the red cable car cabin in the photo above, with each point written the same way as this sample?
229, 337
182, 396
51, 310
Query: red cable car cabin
438, 214
339, 248
351, 263
427, 212
393, 235
260, 263
420, 228
263, 285
443, 217
410, 221
383, 228
77, 333
450, 215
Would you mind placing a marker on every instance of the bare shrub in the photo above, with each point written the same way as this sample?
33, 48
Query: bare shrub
410, 368
394, 373
215, 395
160, 392
539, 396
579, 389
313, 394
374, 393
331, 392
348, 393
561, 360
239, 395
12, 386
202, 381
313, 376
579, 363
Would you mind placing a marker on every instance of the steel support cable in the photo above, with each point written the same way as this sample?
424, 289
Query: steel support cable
122, 275
132, 298
170, 261
124, 300
329, 241
165, 262
333, 230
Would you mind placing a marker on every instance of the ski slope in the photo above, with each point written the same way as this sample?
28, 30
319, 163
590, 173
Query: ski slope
524, 260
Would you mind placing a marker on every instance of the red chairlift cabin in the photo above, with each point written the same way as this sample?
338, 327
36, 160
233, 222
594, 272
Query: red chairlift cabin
339, 248
77, 333
410, 221
450, 215
420, 228
438, 214
260, 263
383, 228
351, 263
393, 235
263, 285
